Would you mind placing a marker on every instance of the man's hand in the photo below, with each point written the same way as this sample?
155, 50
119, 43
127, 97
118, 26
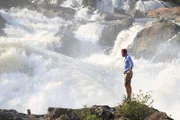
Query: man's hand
127, 72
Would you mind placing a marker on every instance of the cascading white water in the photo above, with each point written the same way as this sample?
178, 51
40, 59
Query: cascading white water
109, 5
125, 38
141, 5
144, 6
34, 76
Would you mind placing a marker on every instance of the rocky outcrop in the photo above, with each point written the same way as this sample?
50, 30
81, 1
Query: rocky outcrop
154, 42
167, 13
102, 112
14, 115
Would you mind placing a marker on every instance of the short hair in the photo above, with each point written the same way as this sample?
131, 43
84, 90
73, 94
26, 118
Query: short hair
124, 51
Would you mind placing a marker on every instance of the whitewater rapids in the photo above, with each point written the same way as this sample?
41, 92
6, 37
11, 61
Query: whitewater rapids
34, 76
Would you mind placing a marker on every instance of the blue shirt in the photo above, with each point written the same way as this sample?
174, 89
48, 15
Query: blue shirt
128, 63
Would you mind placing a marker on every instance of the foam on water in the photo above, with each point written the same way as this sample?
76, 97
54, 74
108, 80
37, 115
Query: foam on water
33, 76
40, 79
32, 28
90, 32
72, 3
105, 5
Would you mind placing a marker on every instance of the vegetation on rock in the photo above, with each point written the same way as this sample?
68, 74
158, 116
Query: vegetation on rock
137, 109
87, 114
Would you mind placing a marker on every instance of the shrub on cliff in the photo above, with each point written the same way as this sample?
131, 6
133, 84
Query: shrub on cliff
86, 114
137, 109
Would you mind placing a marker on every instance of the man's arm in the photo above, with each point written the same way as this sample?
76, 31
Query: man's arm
131, 63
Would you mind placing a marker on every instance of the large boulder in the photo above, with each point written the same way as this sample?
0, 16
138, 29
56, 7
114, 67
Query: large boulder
168, 13
155, 41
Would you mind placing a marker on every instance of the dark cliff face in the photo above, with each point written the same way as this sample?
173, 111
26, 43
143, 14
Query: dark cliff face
102, 112
177, 2
13, 3
2, 25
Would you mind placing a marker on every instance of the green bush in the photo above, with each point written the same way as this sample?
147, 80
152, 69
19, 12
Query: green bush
86, 114
137, 109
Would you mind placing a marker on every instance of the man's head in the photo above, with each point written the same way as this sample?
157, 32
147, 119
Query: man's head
124, 52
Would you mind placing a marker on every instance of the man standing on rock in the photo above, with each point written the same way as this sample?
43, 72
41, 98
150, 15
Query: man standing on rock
128, 66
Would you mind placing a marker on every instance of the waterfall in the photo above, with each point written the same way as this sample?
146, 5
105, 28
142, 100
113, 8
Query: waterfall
36, 72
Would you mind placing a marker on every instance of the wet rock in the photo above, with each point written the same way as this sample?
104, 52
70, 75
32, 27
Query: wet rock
91, 3
154, 42
111, 30
113, 16
139, 14
70, 46
168, 13
2, 25
2, 22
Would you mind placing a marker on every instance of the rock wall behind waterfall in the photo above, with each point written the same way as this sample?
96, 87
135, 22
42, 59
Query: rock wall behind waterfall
156, 41
13, 3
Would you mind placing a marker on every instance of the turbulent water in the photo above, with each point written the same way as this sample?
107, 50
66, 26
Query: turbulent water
35, 74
